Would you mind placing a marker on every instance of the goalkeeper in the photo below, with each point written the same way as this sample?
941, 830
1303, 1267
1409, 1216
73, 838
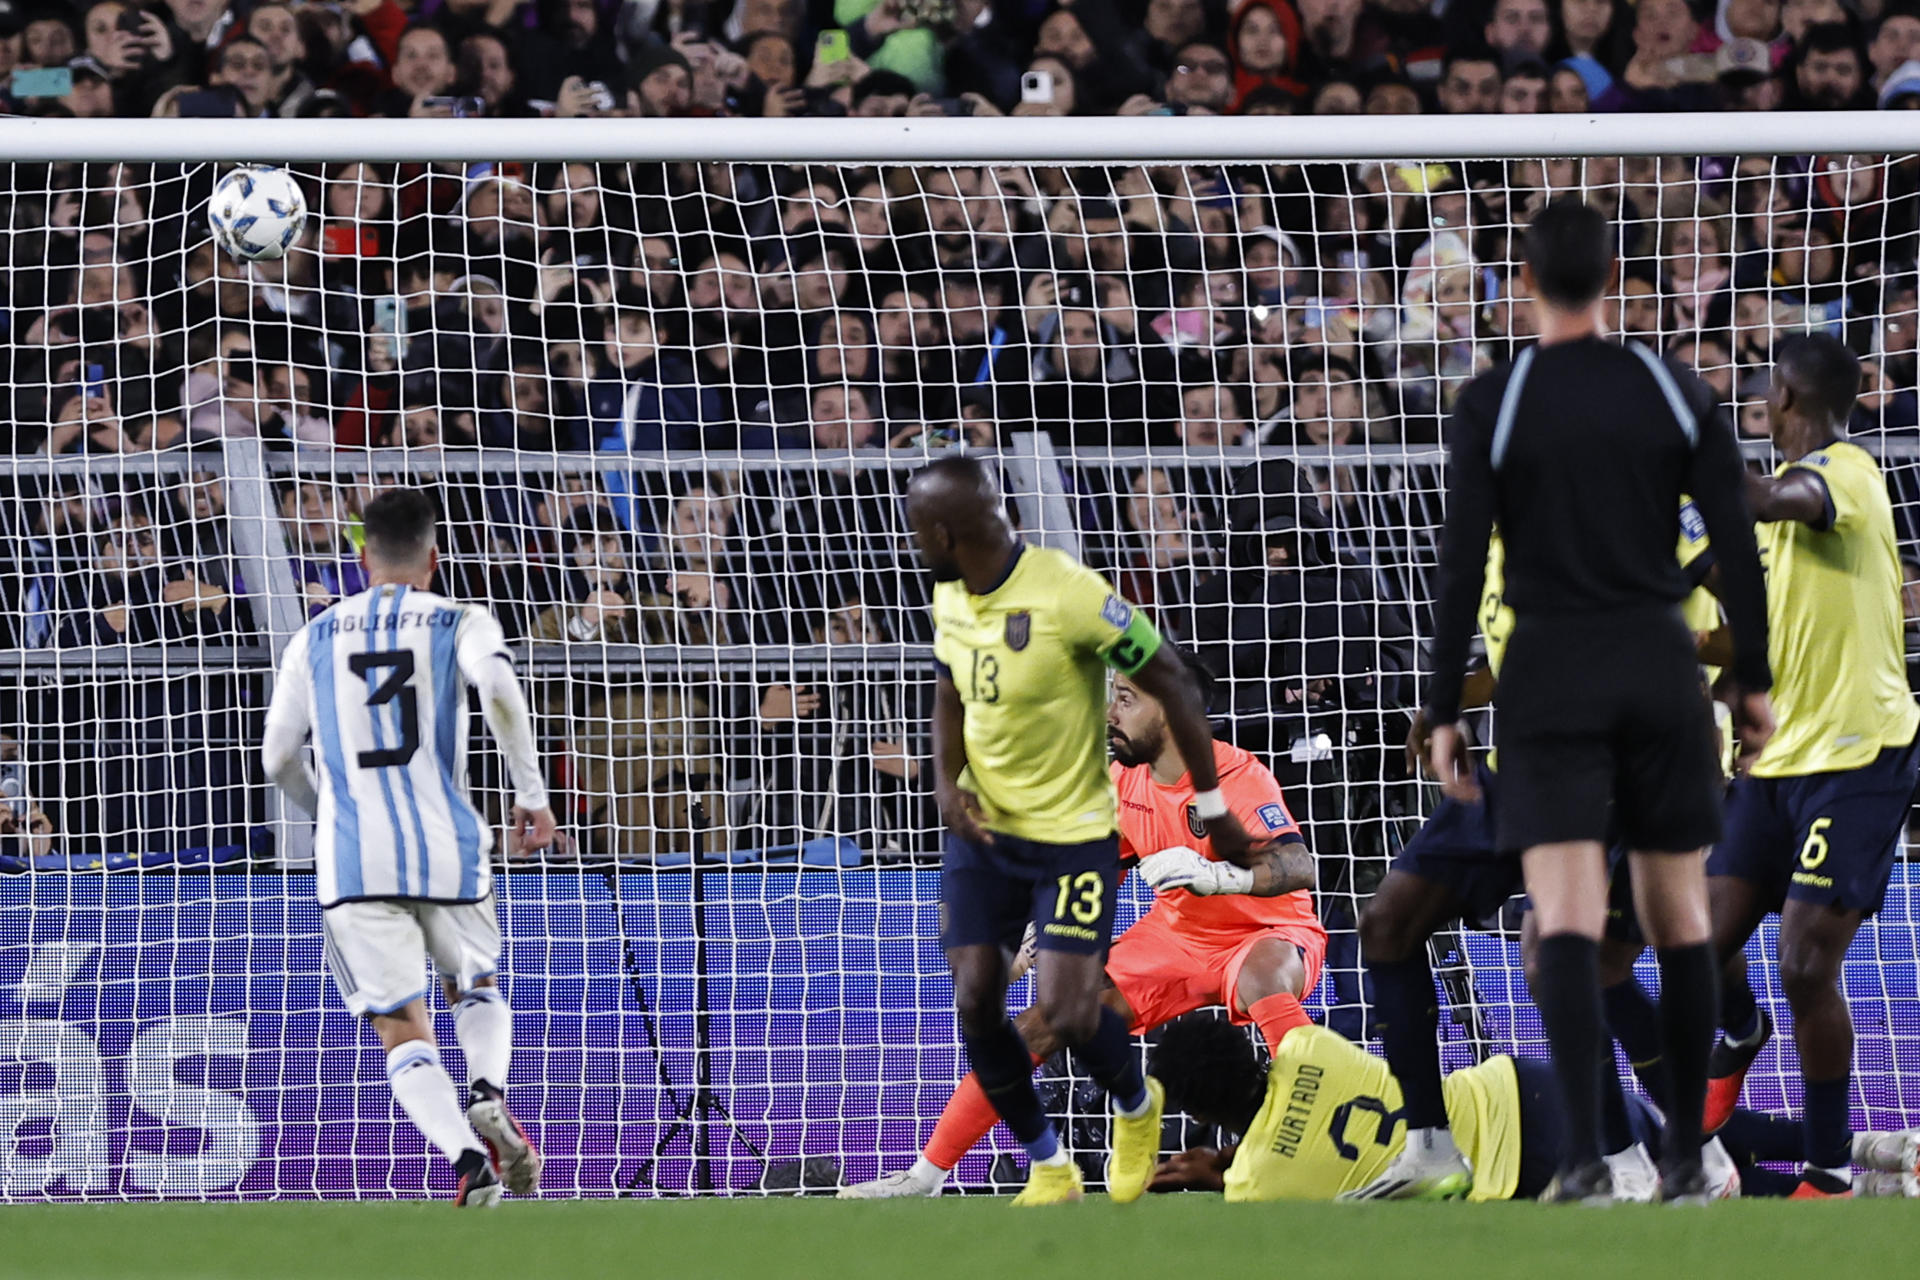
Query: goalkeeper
1246, 938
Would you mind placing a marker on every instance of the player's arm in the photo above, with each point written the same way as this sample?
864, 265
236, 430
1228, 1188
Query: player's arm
959, 808
289, 720
482, 654
1281, 863
1800, 494
1717, 481
1195, 1169
1463, 558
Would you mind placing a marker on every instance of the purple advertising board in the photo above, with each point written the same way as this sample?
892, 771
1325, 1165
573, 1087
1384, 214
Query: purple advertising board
175, 1036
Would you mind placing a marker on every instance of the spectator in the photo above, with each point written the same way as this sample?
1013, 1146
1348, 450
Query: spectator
642, 751
1831, 72
1519, 29
324, 564
422, 69
1896, 41
1470, 84
1525, 90
1264, 41
1202, 78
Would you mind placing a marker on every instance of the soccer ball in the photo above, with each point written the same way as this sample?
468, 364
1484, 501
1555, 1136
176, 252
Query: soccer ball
257, 213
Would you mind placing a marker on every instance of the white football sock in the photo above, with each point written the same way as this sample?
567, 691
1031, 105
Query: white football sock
483, 1024
1432, 1143
926, 1173
425, 1092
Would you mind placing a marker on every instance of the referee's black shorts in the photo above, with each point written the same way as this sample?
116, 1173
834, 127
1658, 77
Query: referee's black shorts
1602, 710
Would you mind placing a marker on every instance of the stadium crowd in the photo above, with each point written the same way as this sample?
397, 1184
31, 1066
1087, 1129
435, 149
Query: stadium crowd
565, 312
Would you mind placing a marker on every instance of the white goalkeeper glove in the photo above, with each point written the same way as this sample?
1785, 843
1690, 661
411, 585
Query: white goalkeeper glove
1189, 869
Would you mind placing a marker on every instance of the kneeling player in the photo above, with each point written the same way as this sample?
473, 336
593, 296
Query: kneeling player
1325, 1119
1217, 933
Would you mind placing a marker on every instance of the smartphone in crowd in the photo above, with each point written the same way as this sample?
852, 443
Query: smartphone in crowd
832, 48
1037, 87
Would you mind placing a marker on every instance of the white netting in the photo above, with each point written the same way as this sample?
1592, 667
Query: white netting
669, 408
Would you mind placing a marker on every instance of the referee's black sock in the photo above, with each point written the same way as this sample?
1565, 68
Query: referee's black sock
1689, 1023
1113, 1062
1407, 1020
1005, 1069
1568, 993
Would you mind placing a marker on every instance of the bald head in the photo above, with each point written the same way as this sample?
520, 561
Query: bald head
1816, 378
959, 522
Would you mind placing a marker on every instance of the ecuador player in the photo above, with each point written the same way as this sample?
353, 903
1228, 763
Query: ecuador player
1246, 938
1023, 636
1452, 869
1814, 828
1326, 1118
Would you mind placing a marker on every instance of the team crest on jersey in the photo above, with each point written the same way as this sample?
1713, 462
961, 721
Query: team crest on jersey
1019, 630
1194, 823
1274, 816
1116, 613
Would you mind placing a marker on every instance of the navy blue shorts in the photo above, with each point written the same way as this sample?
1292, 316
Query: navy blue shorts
1455, 848
990, 893
1828, 838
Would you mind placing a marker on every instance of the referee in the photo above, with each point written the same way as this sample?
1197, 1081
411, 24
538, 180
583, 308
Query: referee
1581, 450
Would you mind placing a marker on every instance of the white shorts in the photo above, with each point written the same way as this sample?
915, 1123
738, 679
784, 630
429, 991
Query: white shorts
377, 951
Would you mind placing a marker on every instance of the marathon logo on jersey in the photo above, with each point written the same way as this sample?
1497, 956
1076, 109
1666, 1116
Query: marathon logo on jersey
1693, 526
1019, 630
1116, 613
1274, 816
1195, 824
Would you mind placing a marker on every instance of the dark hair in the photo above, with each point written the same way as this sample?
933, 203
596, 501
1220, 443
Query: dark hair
1209, 1068
400, 525
1820, 370
1830, 37
1569, 246
883, 84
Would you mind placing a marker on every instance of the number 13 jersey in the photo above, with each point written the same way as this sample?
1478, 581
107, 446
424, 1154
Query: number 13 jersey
381, 681
1029, 659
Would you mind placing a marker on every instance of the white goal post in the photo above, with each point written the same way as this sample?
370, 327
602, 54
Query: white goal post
666, 379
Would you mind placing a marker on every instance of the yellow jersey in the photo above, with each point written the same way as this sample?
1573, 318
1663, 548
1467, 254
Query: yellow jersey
1029, 659
1332, 1123
1835, 637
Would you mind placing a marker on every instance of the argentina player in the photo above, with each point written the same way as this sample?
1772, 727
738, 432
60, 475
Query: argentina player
400, 852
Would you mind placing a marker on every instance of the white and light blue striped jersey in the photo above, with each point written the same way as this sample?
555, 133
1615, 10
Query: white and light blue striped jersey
381, 680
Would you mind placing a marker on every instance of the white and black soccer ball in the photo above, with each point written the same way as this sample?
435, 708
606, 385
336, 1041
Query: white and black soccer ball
256, 214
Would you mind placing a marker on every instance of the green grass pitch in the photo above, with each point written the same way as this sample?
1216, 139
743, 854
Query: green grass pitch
1187, 1237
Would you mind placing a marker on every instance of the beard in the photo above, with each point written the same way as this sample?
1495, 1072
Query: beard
1131, 752
944, 570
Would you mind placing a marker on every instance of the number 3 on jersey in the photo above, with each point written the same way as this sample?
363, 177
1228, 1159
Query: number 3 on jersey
395, 685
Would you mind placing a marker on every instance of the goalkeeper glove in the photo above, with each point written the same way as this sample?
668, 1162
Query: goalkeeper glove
1189, 869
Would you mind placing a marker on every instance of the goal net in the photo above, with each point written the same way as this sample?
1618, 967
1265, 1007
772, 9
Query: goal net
668, 406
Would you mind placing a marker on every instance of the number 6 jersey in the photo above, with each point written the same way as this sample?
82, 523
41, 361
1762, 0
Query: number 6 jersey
381, 679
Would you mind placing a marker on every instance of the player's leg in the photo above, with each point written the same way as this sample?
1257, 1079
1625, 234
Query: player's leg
464, 941
375, 952
1746, 878
1152, 979
1447, 870
1814, 938
1670, 898
1264, 983
1567, 881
